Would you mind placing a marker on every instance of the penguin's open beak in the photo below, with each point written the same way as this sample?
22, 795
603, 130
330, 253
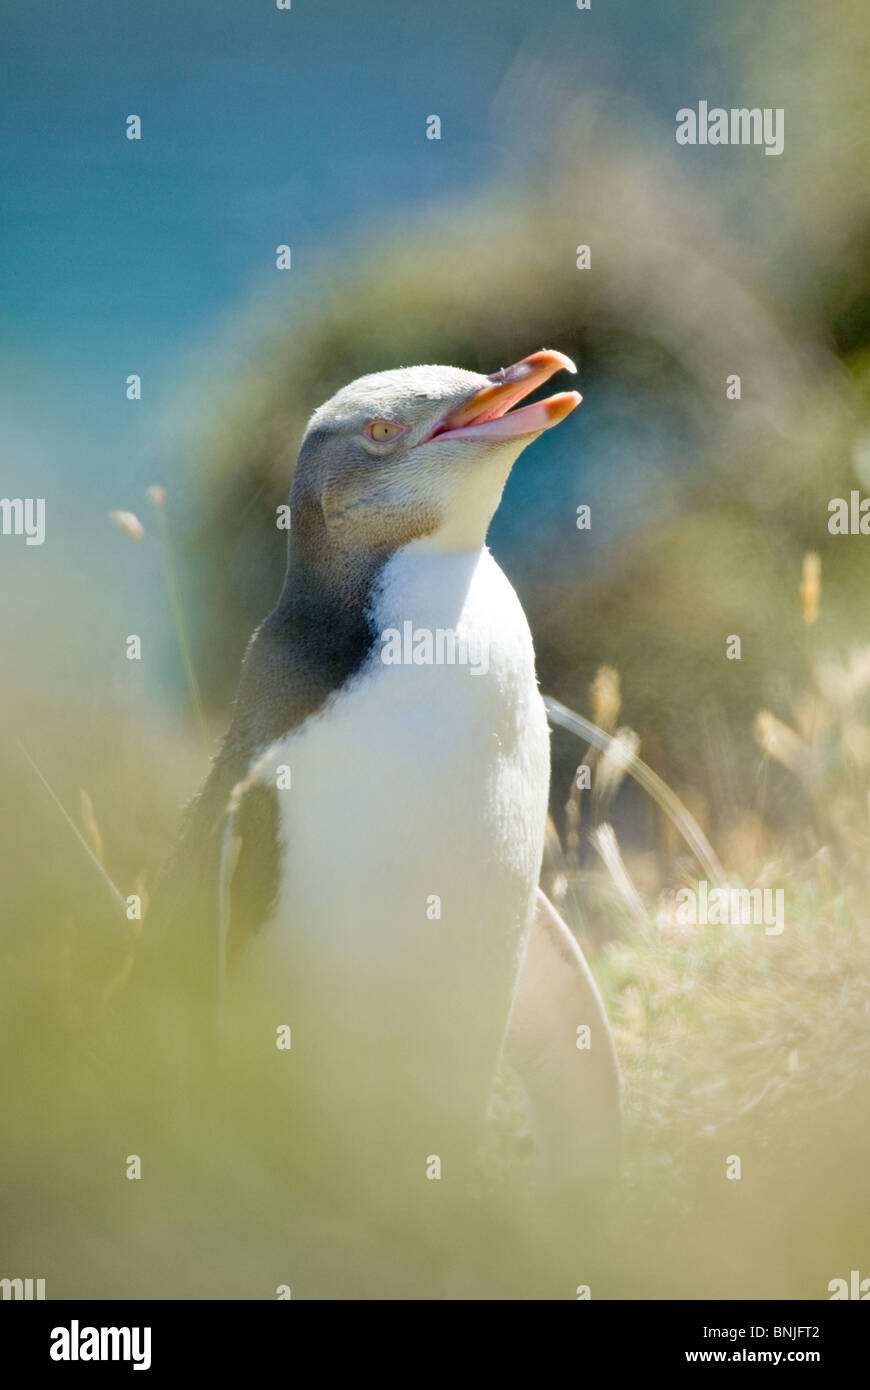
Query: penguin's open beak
484, 415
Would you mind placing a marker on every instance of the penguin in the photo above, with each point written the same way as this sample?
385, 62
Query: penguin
362, 863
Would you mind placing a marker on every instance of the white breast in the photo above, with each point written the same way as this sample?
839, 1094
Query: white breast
413, 833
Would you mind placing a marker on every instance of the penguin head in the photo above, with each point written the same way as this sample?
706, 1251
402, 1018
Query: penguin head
421, 453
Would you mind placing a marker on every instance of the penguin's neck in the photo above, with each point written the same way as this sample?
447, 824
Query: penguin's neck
322, 620
321, 575
426, 586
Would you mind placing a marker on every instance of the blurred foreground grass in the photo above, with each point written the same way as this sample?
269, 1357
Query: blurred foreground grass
732, 1042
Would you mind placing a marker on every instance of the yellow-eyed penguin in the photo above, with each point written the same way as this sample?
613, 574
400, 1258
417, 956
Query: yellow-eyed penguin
364, 857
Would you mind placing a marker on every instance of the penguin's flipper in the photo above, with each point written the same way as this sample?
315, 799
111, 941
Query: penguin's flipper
217, 890
572, 1089
249, 870
230, 853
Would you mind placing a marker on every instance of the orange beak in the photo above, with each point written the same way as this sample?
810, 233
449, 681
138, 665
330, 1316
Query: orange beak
484, 416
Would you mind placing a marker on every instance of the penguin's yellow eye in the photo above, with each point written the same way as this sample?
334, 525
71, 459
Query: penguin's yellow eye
382, 430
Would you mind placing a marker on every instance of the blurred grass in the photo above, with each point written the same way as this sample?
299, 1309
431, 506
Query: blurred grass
730, 1041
